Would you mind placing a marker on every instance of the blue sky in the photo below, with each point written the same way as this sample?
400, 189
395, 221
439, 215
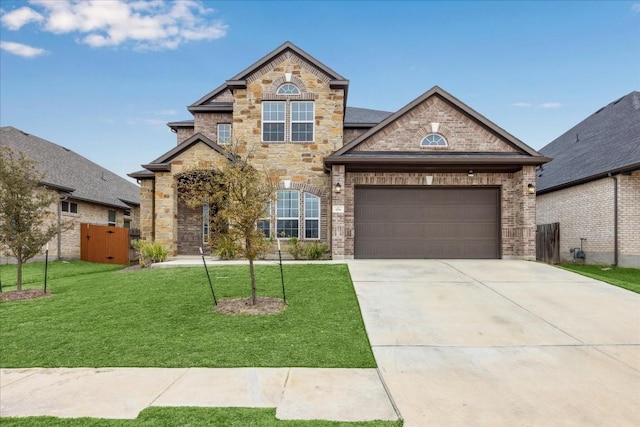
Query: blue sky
103, 77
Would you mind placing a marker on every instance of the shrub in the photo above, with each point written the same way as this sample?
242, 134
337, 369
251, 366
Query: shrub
315, 250
295, 248
226, 247
149, 252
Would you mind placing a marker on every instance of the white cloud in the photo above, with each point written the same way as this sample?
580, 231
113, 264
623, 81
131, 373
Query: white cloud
15, 19
550, 105
522, 104
141, 24
166, 113
635, 8
22, 49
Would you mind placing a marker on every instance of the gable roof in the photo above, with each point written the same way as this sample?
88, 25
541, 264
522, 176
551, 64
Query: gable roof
163, 163
437, 91
450, 161
608, 141
239, 80
68, 171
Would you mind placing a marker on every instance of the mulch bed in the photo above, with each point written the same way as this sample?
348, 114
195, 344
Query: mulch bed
25, 294
243, 306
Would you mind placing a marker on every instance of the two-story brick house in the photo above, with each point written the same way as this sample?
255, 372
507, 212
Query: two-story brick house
433, 180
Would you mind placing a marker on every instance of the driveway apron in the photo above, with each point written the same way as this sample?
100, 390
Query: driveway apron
501, 343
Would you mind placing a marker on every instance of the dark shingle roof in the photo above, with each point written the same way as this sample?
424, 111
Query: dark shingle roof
354, 116
65, 169
608, 141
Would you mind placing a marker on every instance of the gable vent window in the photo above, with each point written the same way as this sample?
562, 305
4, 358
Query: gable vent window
288, 89
433, 140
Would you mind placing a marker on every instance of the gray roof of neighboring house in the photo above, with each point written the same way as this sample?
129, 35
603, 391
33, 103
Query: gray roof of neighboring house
66, 170
608, 141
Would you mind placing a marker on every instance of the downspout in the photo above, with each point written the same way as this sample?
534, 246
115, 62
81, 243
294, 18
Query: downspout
615, 219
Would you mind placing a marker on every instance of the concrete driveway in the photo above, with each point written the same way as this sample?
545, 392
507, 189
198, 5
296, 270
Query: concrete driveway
501, 343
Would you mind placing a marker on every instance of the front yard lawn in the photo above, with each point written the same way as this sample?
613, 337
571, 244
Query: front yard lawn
628, 278
193, 417
165, 318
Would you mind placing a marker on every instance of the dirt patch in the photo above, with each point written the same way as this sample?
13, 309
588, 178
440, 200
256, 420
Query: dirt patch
25, 294
243, 306
135, 267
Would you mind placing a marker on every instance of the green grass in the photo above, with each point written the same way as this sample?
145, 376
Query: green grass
192, 417
165, 318
627, 278
33, 272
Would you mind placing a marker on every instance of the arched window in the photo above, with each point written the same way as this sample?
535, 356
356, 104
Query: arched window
288, 89
433, 140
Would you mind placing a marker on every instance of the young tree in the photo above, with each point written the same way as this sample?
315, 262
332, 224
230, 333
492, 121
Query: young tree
24, 208
239, 192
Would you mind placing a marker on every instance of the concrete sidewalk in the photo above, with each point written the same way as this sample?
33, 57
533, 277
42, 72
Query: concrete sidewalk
296, 393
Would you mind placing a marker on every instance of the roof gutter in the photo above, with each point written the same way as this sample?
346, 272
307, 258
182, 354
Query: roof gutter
624, 169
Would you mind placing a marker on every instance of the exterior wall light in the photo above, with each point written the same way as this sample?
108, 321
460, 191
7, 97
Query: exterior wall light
531, 189
470, 173
338, 188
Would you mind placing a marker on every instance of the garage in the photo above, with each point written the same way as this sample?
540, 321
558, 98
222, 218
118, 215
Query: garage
419, 222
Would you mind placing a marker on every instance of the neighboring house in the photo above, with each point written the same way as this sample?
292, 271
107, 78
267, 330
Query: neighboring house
434, 180
592, 186
88, 192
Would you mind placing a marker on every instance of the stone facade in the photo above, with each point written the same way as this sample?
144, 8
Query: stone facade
302, 166
588, 210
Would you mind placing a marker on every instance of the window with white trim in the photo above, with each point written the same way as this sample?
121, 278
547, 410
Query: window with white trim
273, 121
311, 216
69, 207
287, 213
112, 218
224, 133
264, 224
433, 140
288, 89
302, 118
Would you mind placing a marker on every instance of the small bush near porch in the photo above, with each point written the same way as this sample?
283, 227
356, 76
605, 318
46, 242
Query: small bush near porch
165, 318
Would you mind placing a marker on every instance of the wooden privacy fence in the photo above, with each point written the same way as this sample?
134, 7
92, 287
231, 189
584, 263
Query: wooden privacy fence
101, 243
548, 243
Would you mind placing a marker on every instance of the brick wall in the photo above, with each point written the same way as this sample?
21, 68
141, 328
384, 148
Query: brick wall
585, 210
462, 133
629, 220
517, 206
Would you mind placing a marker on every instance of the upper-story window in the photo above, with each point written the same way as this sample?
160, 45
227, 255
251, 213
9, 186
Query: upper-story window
433, 140
111, 218
224, 133
302, 117
284, 121
288, 89
273, 120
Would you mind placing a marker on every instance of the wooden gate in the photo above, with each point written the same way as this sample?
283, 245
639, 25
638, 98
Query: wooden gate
100, 243
548, 243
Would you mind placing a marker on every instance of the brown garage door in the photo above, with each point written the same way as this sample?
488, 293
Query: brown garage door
401, 222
